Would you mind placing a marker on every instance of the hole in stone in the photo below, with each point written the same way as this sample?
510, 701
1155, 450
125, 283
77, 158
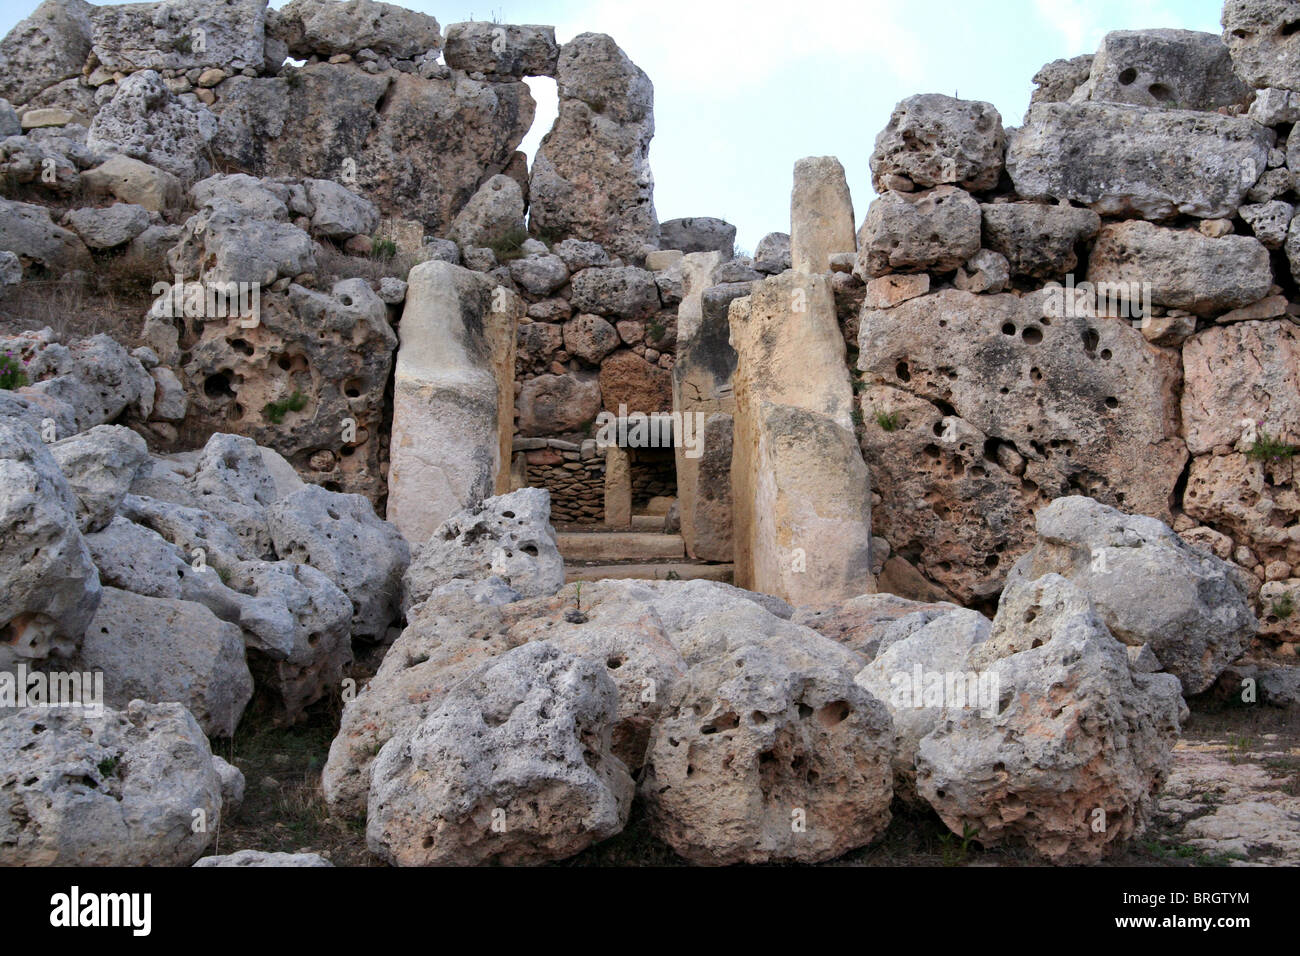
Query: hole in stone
217, 385
1009, 328
1126, 77
902, 372
1161, 93
1032, 336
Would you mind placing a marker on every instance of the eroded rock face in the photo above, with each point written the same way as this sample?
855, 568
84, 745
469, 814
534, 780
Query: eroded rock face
1184, 269
145, 121
552, 404
326, 28
1152, 164
591, 177
1079, 746
1001, 408
1058, 80
492, 213
100, 465
180, 35
51, 588
27, 231
699, 234
333, 351
1172, 69
150, 766
514, 768
1260, 36
48, 47
935, 140
1147, 584
509, 537
1039, 241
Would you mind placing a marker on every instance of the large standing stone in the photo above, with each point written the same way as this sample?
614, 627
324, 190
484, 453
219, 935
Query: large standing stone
1153, 164
515, 767
802, 506
618, 488
120, 790
821, 214
978, 409
591, 177
1148, 585
1261, 37
50, 586
1173, 69
1182, 268
935, 140
453, 396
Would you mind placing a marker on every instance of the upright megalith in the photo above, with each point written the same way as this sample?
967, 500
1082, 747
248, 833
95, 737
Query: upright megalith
821, 214
802, 498
453, 396
591, 179
702, 387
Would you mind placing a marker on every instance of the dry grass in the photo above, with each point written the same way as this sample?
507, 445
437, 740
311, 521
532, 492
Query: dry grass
333, 262
114, 299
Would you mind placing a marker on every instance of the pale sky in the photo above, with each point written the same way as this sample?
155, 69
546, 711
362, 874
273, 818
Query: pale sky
743, 89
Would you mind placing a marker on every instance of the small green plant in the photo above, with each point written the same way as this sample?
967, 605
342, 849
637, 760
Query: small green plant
382, 248
550, 235
1268, 448
509, 246
224, 574
577, 594
954, 850
294, 79
12, 373
654, 330
275, 411
1282, 608
108, 766
184, 43
672, 576
888, 421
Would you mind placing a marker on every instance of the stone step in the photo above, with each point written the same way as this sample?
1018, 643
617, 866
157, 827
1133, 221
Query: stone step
619, 546
648, 523
674, 570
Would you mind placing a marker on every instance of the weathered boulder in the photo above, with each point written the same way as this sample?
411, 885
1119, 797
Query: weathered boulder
979, 409
1182, 268
590, 338
698, 234
49, 46
28, 232
180, 35
1078, 746
498, 49
1040, 241
145, 121
772, 254
553, 404
913, 673
263, 858
771, 752
1058, 80
222, 242
99, 466
1269, 221
121, 790
1173, 69
1153, 164
622, 291
110, 226
628, 379
811, 543
160, 650
821, 214
1260, 35
453, 396
339, 212
325, 28
51, 588
340, 536
591, 177
492, 214
869, 623
1148, 585
508, 537
514, 768
936, 140
931, 231
95, 378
